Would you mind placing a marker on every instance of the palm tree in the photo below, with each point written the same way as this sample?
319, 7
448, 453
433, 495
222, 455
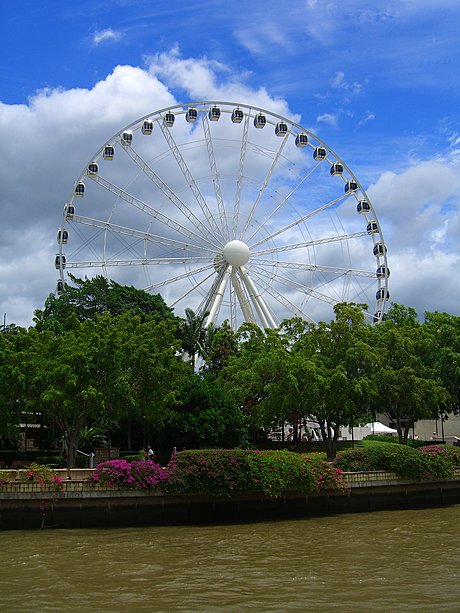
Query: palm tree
193, 334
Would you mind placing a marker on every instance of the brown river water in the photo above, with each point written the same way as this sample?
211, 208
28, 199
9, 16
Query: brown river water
383, 561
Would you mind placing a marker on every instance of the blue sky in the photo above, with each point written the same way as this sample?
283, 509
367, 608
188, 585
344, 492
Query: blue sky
378, 82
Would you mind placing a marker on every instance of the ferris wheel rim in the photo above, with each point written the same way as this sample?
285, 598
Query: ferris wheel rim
204, 107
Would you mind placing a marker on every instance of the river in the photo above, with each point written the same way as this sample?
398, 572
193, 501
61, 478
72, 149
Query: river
382, 561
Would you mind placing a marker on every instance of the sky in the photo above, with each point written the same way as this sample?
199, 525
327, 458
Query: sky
378, 82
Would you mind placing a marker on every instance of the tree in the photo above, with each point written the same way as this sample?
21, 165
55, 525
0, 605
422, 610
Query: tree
193, 334
273, 384
344, 363
444, 358
407, 388
88, 298
110, 366
205, 416
15, 377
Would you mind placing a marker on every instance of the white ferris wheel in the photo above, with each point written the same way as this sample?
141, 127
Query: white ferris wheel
230, 210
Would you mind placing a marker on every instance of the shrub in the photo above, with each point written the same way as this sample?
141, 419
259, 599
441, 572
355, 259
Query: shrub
454, 453
216, 471
423, 463
42, 474
382, 438
138, 475
222, 472
6, 476
326, 475
440, 461
225, 472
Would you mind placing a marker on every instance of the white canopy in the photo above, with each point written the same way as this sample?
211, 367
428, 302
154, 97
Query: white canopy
378, 428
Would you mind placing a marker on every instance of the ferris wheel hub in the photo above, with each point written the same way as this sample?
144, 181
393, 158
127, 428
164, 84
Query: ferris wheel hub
236, 253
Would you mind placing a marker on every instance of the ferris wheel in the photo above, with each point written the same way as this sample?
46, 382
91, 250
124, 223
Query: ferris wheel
231, 210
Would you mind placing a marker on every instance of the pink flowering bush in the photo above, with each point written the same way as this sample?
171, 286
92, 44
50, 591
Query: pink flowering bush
137, 475
326, 476
44, 475
210, 471
226, 472
223, 472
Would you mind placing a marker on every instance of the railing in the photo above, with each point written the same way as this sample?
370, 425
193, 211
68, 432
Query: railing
88, 455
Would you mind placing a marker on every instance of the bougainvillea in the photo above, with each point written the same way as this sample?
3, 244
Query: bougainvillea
137, 475
223, 472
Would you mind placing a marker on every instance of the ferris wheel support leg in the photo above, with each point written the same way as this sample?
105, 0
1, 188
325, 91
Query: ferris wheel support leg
242, 299
218, 298
260, 306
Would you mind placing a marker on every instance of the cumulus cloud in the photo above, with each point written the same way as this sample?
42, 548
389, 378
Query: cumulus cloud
48, 142
419, 210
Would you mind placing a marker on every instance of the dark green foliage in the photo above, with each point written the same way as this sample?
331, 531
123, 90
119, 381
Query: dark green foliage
381, 438
204, 416
218, 472
279, 472
88, 298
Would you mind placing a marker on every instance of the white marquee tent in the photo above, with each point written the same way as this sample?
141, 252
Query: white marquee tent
378, 428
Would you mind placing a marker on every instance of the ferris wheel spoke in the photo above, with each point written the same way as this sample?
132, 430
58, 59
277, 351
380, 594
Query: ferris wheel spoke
300, 220
308, 291
295, 310
191, 181
168, 192
86, 242
317, 268
146, 208
239, 182
215, 175
184, 275
136, 262
318, 241
300, 288
265, 183
192, 289
154, 238
283, 202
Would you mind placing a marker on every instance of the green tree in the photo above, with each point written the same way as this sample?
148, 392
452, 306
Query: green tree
408, 389
273, 384
344, 362
88, 298
16, 396
193, 334
205, 416
108, 366
445, 356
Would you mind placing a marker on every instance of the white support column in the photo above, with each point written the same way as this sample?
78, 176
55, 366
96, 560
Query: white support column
218, 297
257, 301
242, 298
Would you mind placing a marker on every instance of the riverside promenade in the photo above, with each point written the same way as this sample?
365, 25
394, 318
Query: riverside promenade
80, 504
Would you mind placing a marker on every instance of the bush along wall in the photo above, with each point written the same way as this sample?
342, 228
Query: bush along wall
222, 472
429, 462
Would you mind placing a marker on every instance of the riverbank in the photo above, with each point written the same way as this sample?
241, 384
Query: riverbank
80, 504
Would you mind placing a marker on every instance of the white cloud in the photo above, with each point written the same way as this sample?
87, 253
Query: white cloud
369, 116
328, 118
419, 210
339, 82
46, 144
107, 35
